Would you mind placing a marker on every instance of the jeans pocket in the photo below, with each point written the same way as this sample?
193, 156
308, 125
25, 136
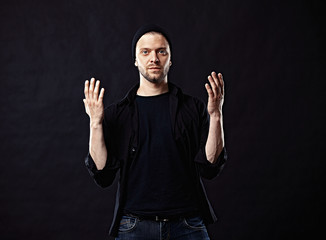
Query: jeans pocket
127, 223
194, 222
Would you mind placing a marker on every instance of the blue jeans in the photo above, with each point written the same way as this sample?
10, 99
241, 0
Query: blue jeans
132, 228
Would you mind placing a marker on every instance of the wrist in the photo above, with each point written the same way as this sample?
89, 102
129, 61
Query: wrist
216, 117
95, 124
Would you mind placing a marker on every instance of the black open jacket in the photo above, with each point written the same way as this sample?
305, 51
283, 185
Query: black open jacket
190, 122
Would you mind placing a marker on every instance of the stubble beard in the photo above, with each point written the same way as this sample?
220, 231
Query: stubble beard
158, 79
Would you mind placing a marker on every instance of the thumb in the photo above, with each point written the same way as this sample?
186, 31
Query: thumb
85, 104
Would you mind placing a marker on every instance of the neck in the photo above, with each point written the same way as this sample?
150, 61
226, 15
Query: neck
147, 88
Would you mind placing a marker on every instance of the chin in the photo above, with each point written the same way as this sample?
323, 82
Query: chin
157, 78
154, 80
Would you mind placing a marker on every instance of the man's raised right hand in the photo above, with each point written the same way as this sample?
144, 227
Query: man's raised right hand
93, 101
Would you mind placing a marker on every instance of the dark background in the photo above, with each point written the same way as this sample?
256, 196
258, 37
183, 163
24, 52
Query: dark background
272, 58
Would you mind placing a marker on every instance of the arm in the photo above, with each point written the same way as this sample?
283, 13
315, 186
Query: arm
95, 109
215, 139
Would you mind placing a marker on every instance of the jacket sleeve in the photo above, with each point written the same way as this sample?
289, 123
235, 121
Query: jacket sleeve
206, 168
105, 177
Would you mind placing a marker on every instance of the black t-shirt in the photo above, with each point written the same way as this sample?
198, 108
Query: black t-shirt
158, 180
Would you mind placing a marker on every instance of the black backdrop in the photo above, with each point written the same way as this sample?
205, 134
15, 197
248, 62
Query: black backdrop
272, 57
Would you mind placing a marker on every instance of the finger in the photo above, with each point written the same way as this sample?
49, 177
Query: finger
213, 85
86, 89
100, 98
97, 86
91, 88
220, 77
209, 91
85, 103
218, 86
219, 82
215, 78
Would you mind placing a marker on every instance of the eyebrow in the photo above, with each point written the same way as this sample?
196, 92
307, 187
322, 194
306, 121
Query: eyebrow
153, 48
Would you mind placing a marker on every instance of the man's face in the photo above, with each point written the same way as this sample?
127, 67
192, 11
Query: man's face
153, 57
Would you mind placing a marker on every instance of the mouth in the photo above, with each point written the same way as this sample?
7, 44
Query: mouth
154, 67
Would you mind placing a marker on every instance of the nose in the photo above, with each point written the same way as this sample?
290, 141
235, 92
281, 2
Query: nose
154, 58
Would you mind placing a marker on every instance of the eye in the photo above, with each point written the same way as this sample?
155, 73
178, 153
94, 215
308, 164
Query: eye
163, 52
144, 52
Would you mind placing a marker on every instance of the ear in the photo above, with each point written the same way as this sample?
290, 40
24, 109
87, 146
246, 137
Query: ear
170, 63
136, 64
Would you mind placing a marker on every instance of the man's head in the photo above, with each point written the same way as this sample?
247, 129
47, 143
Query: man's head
151, 51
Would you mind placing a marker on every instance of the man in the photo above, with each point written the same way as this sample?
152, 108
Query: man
162, 141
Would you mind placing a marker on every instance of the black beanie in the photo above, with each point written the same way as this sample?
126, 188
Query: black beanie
145, 29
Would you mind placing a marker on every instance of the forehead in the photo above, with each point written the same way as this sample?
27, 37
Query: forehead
152, 40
